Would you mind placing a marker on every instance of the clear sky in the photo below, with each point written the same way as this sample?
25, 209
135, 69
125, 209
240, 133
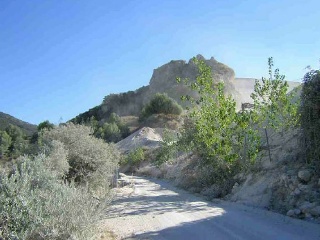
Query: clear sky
59, 58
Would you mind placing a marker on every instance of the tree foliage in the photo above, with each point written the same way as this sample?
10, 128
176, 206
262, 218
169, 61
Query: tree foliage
113, 130
45, 125
274, 106
310, 117
135, 156
19, 143
218, 130
5, 143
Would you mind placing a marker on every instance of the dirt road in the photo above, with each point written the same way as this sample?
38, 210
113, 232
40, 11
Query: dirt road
154, 209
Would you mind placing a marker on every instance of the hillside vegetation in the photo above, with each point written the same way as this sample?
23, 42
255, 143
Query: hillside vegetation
6, 120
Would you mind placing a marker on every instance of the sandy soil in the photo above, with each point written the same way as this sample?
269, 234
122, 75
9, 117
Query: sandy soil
154, 209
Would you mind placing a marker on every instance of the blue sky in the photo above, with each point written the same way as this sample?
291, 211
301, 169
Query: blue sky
60, 58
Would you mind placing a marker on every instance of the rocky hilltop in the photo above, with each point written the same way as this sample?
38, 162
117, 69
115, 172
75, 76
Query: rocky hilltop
163, 80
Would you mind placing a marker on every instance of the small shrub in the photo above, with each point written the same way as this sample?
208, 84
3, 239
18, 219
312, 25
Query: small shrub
168, 148
36, 205
135, 156
161, 103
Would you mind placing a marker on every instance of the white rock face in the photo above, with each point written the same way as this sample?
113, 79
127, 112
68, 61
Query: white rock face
245, 86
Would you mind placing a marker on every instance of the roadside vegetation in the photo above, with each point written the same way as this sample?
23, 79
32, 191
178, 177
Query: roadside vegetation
59, 191
225, 140
310, 118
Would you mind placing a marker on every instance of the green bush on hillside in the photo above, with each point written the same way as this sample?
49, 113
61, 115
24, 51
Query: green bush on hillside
161, 103
113, 130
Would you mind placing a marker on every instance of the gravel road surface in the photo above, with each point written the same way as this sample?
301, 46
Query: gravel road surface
155, 209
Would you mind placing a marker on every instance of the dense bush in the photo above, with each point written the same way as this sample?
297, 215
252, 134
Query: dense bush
161, 103
13, 142
113, 130
91, 160
310, 117
35, 204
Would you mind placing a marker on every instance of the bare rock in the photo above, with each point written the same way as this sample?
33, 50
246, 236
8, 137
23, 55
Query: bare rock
291, 186
315, 211
291, 213
297, 211
303, 187
296, 192
306, 207
304, 175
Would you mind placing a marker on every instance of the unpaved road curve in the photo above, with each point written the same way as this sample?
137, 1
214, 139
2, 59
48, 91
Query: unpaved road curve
156, 210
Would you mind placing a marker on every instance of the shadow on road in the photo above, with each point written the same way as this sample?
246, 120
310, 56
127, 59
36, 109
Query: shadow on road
157, 210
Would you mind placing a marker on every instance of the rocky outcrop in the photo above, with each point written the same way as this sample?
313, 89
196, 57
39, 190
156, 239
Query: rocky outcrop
164, 78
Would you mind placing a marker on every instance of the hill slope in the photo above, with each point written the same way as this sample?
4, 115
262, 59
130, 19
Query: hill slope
163, 80
6, 120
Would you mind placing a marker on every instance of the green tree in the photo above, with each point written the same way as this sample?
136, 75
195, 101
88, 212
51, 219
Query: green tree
111, 132
18, 142
310, 117
218, 131
45, 125
5, 143
275, 108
